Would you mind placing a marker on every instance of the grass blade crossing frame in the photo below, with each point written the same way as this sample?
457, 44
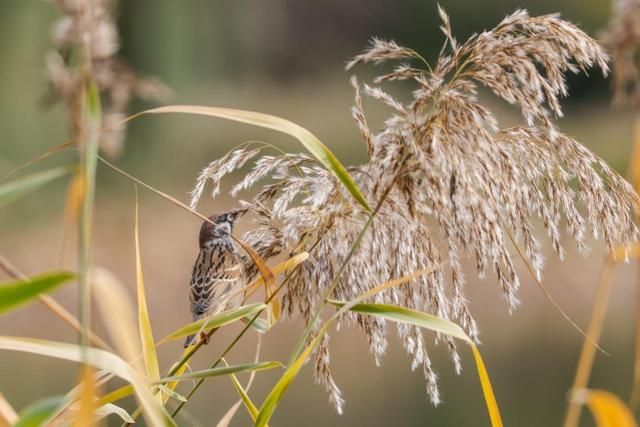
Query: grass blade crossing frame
306, 138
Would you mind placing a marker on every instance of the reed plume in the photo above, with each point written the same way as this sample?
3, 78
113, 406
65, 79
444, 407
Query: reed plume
621, 38
460, 185
88, 28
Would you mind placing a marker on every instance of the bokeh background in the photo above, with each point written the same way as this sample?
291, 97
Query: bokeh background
286, 58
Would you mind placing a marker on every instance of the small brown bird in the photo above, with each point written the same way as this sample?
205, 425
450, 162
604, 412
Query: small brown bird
218, 275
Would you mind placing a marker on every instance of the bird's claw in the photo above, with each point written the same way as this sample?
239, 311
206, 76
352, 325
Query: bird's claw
204, 337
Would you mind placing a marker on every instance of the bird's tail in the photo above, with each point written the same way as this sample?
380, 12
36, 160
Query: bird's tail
191, 340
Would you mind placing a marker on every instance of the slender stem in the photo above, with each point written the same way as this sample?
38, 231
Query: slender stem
232, 344
90, 128
242, 332
633, 173
634, 399
305, 336
187, 357
587, 355
200, 343
336, 280
549, 297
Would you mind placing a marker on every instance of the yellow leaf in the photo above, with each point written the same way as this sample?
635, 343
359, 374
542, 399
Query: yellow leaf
8, 415
289, 264
156, 415
269, 280
117, 394
144, 324
115, 308
87, 402
634, 162
487, 390
172, 385
618, 254
75, 196
390, 312
436, 324
276, 393
214, 321
607, 408
251, 407
265, 272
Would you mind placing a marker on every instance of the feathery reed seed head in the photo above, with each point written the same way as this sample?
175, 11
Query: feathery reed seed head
88, 28
622, 40
460, 186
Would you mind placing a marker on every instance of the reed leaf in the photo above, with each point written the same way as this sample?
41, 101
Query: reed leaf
111, 409
306, 138
275, 395
42, 156
172, 385
406, 315
436, 324
301, 353
8, 415
607, 408
91, 118
171, 393
258, 325
86, 405
215, 321
244, 396
144, 323
154, 413
243, 391
228, 416
16, 293
12, 190
289, 264
117, 394
115, 307
273, 304
227, 370
38, 412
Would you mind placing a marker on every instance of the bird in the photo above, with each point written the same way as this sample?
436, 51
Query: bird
218, 275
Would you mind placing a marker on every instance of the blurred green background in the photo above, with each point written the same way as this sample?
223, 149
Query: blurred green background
287, 58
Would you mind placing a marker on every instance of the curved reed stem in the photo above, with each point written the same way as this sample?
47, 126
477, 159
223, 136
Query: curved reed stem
587, 355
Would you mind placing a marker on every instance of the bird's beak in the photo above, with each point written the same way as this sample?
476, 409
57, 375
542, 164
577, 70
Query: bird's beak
234, 214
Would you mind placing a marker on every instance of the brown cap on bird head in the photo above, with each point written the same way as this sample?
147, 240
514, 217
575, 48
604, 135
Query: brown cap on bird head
223, 226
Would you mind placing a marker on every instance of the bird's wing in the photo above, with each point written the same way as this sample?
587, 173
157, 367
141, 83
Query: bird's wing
230, 274
213, 288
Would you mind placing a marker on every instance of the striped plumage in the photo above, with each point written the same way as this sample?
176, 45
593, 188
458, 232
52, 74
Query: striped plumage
218, 274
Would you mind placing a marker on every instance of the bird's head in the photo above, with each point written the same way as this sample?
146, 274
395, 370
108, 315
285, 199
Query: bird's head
221, 228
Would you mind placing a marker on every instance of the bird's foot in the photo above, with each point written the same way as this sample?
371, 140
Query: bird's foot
204, 337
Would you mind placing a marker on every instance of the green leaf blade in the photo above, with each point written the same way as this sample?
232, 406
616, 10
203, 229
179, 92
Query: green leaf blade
12, 190
246, 400
40, 411
436, 324
407, 315
144, 322
306, 138
17, 293
101, 359
215, 321
275, 395
226, 370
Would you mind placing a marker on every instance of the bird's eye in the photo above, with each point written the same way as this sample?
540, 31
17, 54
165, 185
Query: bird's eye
223, 218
